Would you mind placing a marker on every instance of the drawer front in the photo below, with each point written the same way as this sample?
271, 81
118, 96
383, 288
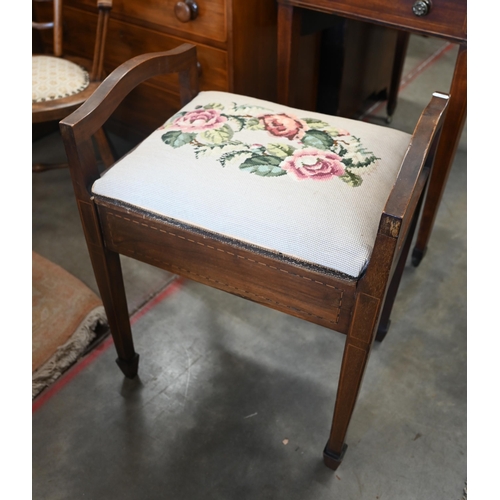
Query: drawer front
125, 41
133, 41
445, 18
210, 21
324, 300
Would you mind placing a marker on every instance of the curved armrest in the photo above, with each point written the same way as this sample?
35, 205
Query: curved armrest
98, 108
79, 127
400, 213
415, 169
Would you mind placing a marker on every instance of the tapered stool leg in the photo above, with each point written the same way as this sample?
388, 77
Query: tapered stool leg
110, 282
356, 353
109, 278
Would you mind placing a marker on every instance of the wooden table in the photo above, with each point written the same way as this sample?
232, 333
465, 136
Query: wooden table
446, 19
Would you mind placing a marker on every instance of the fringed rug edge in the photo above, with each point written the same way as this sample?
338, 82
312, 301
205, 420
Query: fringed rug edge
68, 353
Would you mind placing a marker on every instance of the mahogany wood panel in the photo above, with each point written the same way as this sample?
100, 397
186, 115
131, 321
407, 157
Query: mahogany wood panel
446, 18
243, 272
130, 40
252, 48
210, 23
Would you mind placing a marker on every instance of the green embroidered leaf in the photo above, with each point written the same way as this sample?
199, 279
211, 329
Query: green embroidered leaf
238, 122
176, 138
359, 162
335, 132
231, 156
266, 166
357, 156
200, 151
351, 179
317, 139
217, 136
246, 107
213, 105
339, 149
280, 150
254, 124
315, 123
257, 149
203, 150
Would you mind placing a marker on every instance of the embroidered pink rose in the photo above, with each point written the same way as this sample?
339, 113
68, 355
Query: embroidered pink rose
341, 132
284, 126
311, 163
199, 120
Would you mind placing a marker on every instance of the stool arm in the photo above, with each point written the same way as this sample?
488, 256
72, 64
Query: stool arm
98, 108
401, 211
78, 128
415, 169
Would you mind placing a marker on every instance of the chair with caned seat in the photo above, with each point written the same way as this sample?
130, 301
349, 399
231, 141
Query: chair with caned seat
305, 213
61, 83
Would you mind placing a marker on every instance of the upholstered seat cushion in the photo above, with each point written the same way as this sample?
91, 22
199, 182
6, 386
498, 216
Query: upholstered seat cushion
54, 78
306, 185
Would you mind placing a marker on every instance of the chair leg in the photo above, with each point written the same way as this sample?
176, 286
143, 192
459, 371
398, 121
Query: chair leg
356, 353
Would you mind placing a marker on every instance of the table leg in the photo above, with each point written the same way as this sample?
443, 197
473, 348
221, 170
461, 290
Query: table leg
397, 71
450, 137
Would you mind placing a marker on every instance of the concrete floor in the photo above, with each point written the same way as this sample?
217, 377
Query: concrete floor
225, 383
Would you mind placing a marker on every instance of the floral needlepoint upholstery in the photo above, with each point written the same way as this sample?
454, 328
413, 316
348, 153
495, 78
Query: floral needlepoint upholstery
55, 78
307, 186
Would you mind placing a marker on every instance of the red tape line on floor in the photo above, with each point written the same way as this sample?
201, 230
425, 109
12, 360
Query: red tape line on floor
68, 376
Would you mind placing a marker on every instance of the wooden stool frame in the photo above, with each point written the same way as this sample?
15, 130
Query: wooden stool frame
349, 306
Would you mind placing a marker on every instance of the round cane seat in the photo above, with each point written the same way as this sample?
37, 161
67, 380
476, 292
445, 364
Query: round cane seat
54, 78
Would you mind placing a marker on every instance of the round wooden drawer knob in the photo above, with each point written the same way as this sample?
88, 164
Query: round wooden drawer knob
186, 11
421, 7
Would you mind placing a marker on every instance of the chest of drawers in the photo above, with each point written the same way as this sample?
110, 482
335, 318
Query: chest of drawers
236, 43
